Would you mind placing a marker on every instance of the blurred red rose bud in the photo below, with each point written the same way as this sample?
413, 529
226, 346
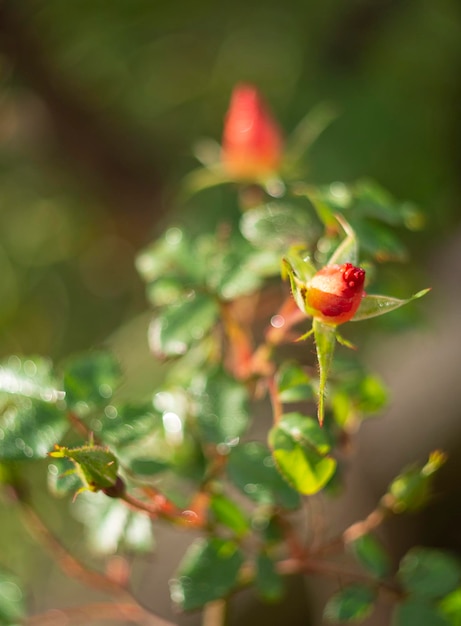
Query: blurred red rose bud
252, 140
335, 292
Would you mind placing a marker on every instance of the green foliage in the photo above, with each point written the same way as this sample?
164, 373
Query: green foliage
208, 571
32, 418
190, 451
418, 613
90, 380
269, 583
371, 555
252, 469
350, 605
429, 573
12, 605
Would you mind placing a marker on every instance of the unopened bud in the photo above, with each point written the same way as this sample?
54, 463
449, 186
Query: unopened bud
335, 292
252, 140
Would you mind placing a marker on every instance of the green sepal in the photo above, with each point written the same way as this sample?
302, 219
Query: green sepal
372, 306
325, 341
347, 251
96, 466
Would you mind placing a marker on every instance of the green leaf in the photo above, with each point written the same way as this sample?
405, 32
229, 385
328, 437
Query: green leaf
29, 377
32, 409
29, 428
418, 613
306, 132
372, 306
62, 478
148, 467
221, 407
278, 226
208, 571
429, 573
12, 605
293, 383
229, 275
352, 604
379, 241
169, 255
175, 328
371, 555
96, 466
325, 342
252, 469
166, 290
110, 525
300, 448
226, 512
125, 424
269, 583
90, 380
450, 607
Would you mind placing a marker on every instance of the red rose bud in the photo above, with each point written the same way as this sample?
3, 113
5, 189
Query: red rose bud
252, 140
335, 292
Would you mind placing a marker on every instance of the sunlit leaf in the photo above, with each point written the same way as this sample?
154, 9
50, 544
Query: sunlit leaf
29, 428
450, 607
300, 448
208, 571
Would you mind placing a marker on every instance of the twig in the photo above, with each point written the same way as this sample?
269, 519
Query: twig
126, 608
99, 611
214, 613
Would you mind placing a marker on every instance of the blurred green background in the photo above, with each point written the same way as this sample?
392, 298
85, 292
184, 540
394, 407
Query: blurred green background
101, 102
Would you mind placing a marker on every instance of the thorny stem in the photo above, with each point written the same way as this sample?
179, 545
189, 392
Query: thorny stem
165, 510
